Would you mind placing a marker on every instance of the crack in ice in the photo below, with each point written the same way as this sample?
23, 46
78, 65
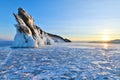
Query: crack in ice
8, 55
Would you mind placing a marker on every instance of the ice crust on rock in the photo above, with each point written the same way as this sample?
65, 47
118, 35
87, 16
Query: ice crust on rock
30, 35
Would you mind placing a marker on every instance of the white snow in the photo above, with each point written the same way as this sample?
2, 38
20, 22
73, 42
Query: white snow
21, 38
27, 40
67, 61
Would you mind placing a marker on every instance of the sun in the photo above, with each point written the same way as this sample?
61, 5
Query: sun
105, 38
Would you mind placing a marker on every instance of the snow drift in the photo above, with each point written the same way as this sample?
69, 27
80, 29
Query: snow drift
30, 35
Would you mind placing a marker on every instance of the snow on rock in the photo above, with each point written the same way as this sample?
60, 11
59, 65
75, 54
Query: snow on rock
30, 35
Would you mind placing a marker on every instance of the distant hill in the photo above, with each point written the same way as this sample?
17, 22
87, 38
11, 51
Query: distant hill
112, 41
115, 41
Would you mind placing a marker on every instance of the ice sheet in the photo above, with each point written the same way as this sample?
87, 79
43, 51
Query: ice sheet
67, 61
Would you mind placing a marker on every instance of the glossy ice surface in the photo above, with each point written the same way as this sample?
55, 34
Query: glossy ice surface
66, 61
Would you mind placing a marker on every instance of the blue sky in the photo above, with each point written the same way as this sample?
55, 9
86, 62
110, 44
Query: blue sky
73, 19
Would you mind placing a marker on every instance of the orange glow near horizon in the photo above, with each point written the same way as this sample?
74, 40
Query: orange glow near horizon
105, 38
102, 37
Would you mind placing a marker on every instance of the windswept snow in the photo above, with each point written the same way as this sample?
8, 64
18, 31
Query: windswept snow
68, 61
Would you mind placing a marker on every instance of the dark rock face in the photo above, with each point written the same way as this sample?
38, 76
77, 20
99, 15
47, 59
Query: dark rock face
58, 37
30, 35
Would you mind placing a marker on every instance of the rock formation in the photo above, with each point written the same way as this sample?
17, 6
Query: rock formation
30, 35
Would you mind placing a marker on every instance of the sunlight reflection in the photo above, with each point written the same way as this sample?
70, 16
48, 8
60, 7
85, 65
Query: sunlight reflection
105, 45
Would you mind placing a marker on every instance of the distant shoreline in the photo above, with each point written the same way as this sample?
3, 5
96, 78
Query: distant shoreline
10, 42
117, 41
5, 43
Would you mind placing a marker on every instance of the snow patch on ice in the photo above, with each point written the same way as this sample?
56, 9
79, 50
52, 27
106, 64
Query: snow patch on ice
61, 62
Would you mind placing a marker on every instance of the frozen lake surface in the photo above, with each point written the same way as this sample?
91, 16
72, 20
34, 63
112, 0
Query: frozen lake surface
68, 61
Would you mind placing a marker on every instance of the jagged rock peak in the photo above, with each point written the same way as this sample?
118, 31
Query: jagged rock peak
30, 35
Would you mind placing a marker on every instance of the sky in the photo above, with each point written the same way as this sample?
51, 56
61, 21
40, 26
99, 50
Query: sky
77, 20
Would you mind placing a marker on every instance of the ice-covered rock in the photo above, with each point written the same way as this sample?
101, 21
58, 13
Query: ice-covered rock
30, 35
